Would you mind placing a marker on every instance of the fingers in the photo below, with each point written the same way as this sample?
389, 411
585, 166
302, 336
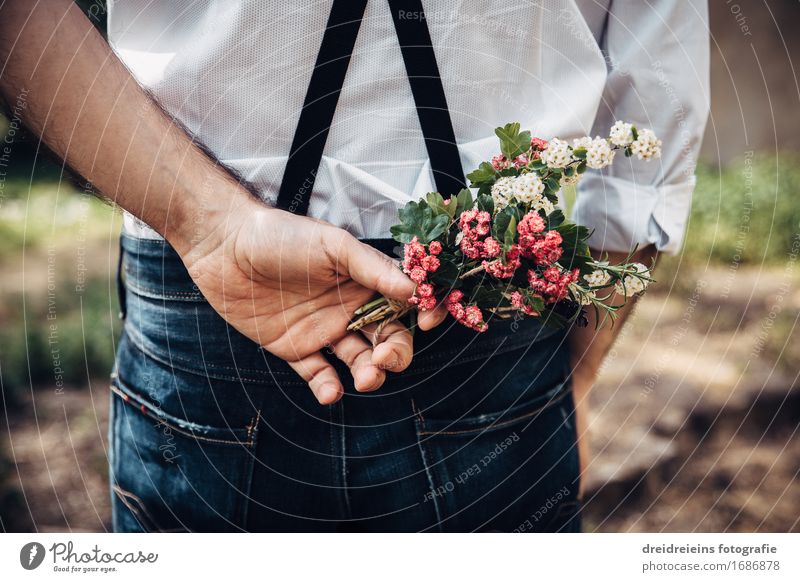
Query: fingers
368, 267
393, 347
354, 351
427, 320
321, 377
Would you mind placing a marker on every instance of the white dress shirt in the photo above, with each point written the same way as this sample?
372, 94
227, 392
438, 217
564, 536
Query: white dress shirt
235, 73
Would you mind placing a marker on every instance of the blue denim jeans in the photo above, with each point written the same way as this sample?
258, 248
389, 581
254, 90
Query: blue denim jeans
209, 432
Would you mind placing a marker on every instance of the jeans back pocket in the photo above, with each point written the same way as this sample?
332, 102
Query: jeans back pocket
172, 474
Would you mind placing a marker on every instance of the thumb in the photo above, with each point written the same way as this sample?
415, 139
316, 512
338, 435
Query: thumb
372, 269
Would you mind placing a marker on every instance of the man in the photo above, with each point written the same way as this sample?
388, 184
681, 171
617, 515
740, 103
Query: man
234, 299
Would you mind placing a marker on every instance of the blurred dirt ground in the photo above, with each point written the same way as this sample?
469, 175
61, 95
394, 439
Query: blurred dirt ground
693, 427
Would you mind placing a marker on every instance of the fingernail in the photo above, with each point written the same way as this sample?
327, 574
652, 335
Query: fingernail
328, 393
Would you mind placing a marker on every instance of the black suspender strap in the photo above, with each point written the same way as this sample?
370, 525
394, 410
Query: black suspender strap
426, 85
320, 105
326, 84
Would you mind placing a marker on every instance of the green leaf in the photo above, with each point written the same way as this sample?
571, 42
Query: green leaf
451, 207
464, 201
485, 174
487, 297
512, 141
436, 202
570, 231
511, 232
502, 220
579, 153
418, 219
486, 203
446, 276
634, 132
581, 168
555, 219
534, 300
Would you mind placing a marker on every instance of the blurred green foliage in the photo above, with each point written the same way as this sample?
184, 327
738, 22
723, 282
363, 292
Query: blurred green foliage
746, 212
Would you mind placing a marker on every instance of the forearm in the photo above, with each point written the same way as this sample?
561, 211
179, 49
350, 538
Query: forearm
589, 345
88, 109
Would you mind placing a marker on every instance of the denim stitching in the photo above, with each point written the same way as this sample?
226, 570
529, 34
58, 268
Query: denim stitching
419, 420
555, 400
469, 354
247, 476
183, 367
147, 412
160, 293
348, 508
137, 507
427, 363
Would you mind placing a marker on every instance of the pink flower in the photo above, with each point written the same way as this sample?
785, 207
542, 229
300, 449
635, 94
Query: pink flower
491, 248
418, 274
471, 317
501, 270
454, 296
476, 224
532, 223
474, 317
545, 249
499, 162
480, 217
430, 263
424, 290
520, 161
412, 254
417, 263
435, 247
427, 303
518, 301
553, 285
539, 144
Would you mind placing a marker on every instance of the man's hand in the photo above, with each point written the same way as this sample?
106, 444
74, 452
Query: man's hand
291, 284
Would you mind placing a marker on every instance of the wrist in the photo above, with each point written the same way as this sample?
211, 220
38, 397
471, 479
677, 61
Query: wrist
197, 224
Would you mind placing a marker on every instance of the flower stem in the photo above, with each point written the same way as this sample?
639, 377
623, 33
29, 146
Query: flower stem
471, 272
371, 305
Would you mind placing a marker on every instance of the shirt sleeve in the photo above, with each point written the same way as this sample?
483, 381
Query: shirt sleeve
657, 54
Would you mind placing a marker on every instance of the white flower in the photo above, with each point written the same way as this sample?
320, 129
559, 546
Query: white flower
581, 142
570, 180
528, 188
632, 285
647, 145
597, 278
621, 134
599, 154
502, 192
557, 154
580, 295
543, 204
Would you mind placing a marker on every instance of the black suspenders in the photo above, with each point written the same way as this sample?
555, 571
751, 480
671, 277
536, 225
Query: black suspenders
326, 84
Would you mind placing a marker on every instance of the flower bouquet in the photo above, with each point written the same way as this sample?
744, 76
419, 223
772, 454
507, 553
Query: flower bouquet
510, 252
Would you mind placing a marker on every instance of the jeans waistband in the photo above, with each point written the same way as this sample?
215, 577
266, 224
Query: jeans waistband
152, 268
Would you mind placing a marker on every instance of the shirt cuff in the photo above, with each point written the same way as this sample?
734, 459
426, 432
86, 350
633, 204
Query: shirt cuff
624, 214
